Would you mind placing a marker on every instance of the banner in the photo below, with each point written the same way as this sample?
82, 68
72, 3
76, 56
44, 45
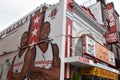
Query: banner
111, 18
34, 28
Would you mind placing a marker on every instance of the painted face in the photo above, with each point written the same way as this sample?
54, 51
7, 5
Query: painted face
45, 30
24, 40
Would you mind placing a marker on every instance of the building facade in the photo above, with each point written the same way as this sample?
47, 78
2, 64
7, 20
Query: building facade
81, 45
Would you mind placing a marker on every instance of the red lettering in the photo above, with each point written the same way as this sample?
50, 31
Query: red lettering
44, 62
18, 64
82, 59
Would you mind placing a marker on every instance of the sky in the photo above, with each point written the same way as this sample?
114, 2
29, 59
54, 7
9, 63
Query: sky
13, 10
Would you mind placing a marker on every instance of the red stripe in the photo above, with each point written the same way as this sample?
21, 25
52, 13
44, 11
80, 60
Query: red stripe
65, 70
17, 64
66, 50
44, 62
66, 41
70, 72
68, 22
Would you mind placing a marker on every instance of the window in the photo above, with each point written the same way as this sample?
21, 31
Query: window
110, 47
117, 53
78, 47
119, 35
108, 25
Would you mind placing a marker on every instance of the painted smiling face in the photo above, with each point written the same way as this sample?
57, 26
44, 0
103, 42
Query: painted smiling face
45, 30
24, 39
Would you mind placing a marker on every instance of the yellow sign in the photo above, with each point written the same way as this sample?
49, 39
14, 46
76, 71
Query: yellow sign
102, 53
99, 72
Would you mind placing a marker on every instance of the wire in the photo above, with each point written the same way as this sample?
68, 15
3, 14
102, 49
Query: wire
19, 48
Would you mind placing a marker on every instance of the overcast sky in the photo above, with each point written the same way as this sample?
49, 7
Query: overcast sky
13, 10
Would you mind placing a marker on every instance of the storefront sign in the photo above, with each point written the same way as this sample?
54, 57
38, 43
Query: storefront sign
94, 49
84, 60
111, 37
102, 53
111, 18
90, 46
99, 72
111, 58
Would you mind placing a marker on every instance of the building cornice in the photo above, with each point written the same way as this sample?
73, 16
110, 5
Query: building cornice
87, 18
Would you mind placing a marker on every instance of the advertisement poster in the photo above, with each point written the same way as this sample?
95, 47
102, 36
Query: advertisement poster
111, 58
102, 53
37, 44
98, 51
90, 46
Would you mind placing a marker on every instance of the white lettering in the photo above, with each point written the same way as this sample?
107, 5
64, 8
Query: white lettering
110, 11
112, 24
111, 17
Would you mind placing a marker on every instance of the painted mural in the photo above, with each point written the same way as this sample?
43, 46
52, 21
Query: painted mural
37, 47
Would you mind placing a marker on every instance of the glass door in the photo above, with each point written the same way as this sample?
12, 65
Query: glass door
76, 73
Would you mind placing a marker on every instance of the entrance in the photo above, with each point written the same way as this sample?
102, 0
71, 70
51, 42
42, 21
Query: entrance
76, 73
